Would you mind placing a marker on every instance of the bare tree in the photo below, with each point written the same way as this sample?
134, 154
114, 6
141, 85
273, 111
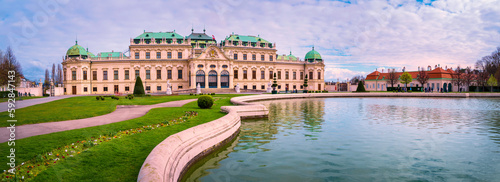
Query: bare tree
354, 80
392, 78
59, 74
47, 77
8, 62
53, 72
457, 78
423, 77
468, 77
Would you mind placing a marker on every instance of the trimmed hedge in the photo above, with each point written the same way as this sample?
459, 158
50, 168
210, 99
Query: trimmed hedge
205, 101
139, 88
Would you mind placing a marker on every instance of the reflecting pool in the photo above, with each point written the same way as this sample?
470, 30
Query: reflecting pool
363, 139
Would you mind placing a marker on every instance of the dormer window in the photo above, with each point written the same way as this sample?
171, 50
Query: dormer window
212, 66
200, 66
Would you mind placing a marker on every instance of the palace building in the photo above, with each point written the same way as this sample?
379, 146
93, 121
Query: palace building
186, 61
438, 78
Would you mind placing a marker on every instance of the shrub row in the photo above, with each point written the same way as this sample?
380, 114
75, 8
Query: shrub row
202, 94
317, 91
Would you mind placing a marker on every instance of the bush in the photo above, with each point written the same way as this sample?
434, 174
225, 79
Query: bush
205, 102
148, 95
201, 93
130, 96
361, 87
97, 97
190, 93
139, 88
213, 94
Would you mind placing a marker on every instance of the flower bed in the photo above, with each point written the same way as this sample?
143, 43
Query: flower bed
30, 169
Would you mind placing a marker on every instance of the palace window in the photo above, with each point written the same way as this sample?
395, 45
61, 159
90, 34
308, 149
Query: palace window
179, 87
254, 87
94, 75
235, 74
311, 75
262, 87
137, 73
64, 75
262, 57
148, 55
105, 89
286, 75
115, 76
158, 74
94, 89
270, 57
254, 57
158, 41
235, 56
84, 75
158, 55
271, 76
179, 55
127, 74
245, 87
301, 75
127, 89
200, 66
169, 74
169, 55
294, 75
279, 75
84, 89
262, 75
179, 75
148, 74
104, 75
73, 75
136, 55
319, 75
224, 66
212, 66
244, 56
158, 88
148, 88
254, 74
244, 74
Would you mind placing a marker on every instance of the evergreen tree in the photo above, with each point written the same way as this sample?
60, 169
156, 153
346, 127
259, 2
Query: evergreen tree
53, 73
305, 84
139, 88
361, 87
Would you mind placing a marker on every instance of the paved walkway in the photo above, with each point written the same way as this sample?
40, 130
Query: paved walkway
30, 102
122, 113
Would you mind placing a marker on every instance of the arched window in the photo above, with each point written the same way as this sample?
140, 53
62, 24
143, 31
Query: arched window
200, 78
224, 79
212, 79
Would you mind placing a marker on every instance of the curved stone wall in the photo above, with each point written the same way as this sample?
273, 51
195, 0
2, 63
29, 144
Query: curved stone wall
171, 158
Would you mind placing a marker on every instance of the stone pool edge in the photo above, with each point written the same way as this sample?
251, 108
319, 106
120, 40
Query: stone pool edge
170, 159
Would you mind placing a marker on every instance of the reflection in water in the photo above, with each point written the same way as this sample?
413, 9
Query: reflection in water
364, 139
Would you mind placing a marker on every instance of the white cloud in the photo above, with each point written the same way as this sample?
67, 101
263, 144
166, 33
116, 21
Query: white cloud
369, 34
332, 74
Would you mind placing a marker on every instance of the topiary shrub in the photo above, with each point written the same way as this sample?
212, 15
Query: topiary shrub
97, 97
205, 101
102, 98
213, 94
130, 96
201, 93
361, 87
138, 88
148, 95
190, 93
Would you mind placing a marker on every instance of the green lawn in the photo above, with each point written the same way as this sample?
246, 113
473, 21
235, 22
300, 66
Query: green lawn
17, 98
117, 160
79, 108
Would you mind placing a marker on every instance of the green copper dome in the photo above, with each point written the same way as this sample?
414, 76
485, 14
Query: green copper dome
313, 55
76, 50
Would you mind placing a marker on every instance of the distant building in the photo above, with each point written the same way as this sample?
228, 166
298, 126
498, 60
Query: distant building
186, 61
438, 78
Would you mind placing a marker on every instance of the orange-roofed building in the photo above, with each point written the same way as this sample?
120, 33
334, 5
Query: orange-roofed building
438, 78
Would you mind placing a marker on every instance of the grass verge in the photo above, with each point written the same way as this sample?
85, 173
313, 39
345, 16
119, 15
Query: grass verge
80, 107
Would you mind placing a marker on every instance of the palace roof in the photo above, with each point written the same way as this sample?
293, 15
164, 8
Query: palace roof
246, 38
437, 73
159, 35
312, 56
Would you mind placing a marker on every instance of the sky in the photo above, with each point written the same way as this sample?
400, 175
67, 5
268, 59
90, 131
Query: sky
353, 37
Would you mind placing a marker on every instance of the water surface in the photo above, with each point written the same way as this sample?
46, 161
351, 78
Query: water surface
363, 139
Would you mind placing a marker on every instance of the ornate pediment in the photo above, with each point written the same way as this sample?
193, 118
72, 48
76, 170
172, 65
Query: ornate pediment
213, 53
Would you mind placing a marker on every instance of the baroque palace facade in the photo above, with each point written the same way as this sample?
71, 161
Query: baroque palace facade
185, 62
